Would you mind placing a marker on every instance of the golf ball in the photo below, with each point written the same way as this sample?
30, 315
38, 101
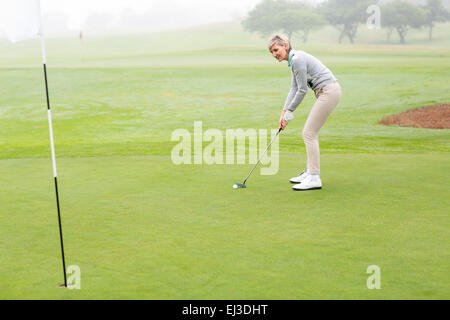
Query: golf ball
235, 186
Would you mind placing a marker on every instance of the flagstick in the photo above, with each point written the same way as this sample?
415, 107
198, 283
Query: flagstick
53, 159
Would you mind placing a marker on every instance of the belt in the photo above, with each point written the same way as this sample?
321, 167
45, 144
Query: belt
320, 90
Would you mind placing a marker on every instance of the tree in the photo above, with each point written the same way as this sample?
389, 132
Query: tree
291, 17
260, 19
346, 16
402, 16
435, 12
300, 21
389, 33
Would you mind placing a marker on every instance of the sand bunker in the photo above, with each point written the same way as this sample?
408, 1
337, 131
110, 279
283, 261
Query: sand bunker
431, 117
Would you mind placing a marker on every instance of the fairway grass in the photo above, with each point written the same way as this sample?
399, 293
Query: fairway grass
141, 227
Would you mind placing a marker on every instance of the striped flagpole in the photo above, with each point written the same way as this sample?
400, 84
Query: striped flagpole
44, 62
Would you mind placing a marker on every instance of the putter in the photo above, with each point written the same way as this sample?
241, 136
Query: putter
243, 185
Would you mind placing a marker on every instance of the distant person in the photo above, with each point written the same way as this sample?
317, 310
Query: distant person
307, 71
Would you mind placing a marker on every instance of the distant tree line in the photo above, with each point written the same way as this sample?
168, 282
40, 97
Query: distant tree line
300, 18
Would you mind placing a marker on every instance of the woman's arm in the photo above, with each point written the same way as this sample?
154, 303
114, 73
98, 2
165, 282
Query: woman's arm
289, 99
292, 93
299, 74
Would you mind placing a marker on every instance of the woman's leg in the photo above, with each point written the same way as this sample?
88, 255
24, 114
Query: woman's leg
327, 100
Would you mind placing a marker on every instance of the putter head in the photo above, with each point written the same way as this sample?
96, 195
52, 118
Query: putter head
239, 185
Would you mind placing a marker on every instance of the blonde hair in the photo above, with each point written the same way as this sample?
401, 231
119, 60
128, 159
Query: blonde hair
280, 40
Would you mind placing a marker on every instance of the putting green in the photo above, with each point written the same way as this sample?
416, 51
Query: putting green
138, 227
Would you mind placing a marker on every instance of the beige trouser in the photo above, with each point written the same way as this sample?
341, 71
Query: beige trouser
327, 99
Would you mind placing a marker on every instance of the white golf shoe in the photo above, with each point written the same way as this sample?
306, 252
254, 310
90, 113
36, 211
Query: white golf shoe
309, 183
300, 178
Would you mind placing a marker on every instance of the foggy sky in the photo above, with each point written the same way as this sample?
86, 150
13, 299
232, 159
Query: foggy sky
61, 16
139, 15
66, 15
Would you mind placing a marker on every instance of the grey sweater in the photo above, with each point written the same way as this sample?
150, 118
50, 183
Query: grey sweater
307, 71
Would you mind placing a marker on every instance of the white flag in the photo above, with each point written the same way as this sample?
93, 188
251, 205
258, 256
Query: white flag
20, 19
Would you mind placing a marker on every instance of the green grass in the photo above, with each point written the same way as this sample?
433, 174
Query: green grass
141, 227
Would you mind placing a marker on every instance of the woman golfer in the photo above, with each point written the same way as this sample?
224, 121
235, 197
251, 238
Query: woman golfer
307, 71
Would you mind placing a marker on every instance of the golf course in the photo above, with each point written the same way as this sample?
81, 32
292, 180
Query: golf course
139, 226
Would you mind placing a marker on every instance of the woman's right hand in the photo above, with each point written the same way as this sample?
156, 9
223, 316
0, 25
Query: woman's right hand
283, 123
